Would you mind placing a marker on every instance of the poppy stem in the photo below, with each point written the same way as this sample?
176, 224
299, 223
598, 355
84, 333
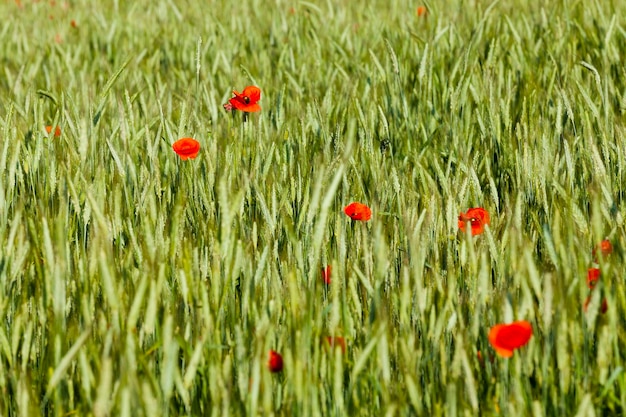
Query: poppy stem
245, 117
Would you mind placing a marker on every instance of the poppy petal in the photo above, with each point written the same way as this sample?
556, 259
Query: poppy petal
505, 338
186, 148
275, 361
358, 211
504, 353
242, 106
57, 130
326, 274
246, 101
252, 92
477, 217
593, 276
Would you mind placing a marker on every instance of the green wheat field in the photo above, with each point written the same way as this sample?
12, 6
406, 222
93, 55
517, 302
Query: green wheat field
135, 283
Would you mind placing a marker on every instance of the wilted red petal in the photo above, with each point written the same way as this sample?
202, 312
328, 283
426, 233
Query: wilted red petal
505, 338
186, 148
275, 361
358, 211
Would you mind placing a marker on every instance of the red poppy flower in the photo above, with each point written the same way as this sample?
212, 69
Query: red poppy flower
422, 11
603, 307
358, 211
246, 101
275, 361
505, 338
593, 276
57, 131
336, 341
605, 247
326, 274
477, 217
186, 148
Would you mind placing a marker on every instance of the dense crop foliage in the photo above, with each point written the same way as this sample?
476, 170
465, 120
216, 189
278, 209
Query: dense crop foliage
136, 283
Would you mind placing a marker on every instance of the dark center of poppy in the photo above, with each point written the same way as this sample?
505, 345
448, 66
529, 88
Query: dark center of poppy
246, 99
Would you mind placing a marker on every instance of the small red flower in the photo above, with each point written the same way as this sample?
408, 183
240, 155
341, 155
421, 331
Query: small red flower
246, 101
505, 338
593, 276
336, 342
275, 362
57, 131
326, 274
422, 11
186, 148
358, 211
477, 217
605, 247
73, 24
603, 307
